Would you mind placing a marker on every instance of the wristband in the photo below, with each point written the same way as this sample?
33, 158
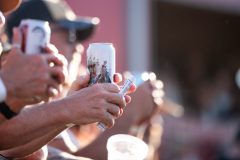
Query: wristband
6, 111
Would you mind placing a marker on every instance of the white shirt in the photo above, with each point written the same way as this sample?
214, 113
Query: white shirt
3, 91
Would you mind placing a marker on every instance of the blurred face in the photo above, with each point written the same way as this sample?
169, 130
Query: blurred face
59, 37
72, 51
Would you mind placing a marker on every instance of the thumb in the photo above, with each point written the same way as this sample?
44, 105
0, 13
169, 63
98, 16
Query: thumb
80, 82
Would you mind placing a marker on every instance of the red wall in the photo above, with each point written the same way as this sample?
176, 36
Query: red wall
112, 25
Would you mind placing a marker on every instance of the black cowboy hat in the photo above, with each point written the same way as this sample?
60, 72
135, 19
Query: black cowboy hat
54, 11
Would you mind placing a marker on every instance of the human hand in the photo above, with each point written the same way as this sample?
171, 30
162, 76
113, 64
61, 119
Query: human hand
104, 99
79, 83
60, 71
146, 101
28, 78
83, 81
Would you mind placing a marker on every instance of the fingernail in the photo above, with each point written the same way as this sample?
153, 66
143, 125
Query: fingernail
52, 92
121, 111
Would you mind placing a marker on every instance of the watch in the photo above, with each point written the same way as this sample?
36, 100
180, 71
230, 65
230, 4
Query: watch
6, 111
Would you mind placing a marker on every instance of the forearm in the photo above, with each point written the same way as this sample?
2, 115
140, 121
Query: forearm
30, 124
31, 147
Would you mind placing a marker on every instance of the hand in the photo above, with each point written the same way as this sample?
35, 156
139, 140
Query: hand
60, 71
79, 83
83, 81
99, 102
29, 76
145, 101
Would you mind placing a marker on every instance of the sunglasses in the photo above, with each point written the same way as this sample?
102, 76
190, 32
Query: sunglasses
71, 33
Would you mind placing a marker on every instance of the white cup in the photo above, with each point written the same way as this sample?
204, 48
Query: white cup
126, 147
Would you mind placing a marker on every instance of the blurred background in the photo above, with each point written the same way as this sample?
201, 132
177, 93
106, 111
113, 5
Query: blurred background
193, 47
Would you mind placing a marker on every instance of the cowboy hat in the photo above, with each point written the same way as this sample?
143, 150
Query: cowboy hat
58, 12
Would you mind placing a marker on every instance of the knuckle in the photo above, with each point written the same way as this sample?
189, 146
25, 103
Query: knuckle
99, 89
102, 113
44, 77
116, 110
102, 103
43, 68
37, 58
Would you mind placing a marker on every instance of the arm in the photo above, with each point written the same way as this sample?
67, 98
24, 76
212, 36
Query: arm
31, 123
29, 79
98, 103
28, 76
140, 109
32, 146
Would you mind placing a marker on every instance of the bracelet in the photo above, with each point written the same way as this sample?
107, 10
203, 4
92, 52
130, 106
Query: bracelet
6, 111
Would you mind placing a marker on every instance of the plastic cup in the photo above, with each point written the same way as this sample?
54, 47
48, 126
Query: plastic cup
126, 147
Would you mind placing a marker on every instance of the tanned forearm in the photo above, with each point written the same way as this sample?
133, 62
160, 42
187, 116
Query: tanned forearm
30, 124
31, 147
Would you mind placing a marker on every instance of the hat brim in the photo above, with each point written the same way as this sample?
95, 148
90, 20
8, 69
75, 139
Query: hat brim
84, 27
7, 6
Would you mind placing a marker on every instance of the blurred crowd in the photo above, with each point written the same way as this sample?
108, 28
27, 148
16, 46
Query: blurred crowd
49, 111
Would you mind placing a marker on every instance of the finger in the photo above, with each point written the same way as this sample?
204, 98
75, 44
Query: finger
49, 48
117, 78
57, 74
62, 58
117, 99
108, 120
132, 88
80, 83
121, 111
113, 109
110, 87
52, 92
52, 83
127, 99
56, 59
17, 36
